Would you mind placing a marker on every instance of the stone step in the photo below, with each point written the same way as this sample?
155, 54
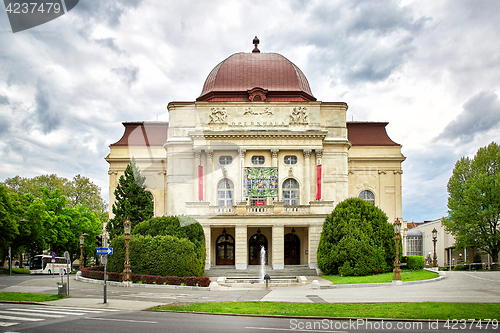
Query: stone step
255, 271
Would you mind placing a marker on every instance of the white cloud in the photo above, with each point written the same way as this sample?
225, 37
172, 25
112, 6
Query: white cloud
427, 67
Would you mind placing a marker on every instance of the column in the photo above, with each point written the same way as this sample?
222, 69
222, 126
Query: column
314, 235
241, 246
398, 194
209, 183
242, 154
207, 230
274, 155
197, 155
307, 176
278, 246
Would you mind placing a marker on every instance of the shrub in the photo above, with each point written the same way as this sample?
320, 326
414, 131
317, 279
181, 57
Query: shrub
159, 255
414, 262
356, 240
176, 226
97, 272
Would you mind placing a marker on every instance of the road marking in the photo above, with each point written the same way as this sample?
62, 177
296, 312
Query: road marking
48, 311
20, 318
2, 324
291, 329
72, 308
124, 320
477, 277
33, 314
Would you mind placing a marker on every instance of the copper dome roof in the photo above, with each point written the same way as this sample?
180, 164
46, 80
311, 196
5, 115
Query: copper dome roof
256, 77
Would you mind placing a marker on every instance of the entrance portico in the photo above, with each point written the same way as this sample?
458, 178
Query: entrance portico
239, 245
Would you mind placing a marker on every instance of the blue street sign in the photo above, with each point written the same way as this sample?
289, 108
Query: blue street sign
104, 250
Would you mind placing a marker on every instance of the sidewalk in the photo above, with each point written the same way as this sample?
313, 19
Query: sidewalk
480, 287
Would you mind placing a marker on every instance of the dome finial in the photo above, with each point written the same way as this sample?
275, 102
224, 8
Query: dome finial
256, 42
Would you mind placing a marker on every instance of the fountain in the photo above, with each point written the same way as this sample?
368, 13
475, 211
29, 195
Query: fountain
259, 281
262, 263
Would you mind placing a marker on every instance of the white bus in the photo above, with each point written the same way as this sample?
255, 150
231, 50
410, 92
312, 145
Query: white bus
42, 264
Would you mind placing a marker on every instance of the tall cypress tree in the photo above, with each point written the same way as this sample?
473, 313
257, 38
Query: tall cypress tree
132, 200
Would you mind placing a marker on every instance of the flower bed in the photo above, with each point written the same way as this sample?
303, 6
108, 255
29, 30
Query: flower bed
97, 273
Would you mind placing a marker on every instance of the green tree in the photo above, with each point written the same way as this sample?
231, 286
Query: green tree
78, 191
8, 224
474, 202
31, 216
356, 240
132, 200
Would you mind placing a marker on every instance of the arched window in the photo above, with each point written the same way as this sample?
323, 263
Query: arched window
225, 193
291, 192
367, 196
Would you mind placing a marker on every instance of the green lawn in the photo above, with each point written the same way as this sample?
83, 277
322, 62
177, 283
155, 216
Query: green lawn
5, 270
380, 278
25, 297
426, 310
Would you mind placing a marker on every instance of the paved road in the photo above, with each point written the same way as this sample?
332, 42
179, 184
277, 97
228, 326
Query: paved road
40, 319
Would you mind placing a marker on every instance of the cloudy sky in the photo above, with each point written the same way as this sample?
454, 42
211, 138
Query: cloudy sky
429, 68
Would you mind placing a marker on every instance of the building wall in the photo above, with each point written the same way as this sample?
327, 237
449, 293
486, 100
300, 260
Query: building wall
378, 169
199, 133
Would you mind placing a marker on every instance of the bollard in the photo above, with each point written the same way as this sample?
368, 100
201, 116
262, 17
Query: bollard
267, 278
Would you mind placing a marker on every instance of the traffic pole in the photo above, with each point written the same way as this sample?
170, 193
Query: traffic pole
105, 257
10, 261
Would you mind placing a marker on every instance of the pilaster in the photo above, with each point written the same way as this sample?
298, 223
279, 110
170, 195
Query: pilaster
241, 246
307, 176
278, 247
207, 230
197, 159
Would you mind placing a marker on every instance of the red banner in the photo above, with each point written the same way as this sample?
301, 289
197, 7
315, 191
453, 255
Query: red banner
318, 182
200, 182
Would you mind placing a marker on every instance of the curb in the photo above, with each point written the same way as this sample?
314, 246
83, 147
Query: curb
441, 276
135, 285
299, 317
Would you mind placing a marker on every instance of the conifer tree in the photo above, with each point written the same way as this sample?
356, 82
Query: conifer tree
132, 200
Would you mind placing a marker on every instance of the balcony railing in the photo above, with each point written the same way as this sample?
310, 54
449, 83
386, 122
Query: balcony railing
314, 208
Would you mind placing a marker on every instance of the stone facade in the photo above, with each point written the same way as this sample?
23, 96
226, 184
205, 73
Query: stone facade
199, 164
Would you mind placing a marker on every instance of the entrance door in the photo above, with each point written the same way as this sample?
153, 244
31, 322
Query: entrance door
225, 249
292, 249
255, 244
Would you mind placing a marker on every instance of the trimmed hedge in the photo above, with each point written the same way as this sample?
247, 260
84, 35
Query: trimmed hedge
159, 255
176, 226
414, 263
97, 273
356, 240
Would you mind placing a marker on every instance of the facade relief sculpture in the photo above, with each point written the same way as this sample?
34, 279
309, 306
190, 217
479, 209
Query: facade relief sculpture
299, 115
266, 111
218, 116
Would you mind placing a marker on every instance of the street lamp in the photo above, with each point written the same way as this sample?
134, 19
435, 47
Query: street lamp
127, 226
434, 240
82, 240
396, 278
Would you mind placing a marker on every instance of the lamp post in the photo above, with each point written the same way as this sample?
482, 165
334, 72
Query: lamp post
434, 240
396, 278
82, 240
127, 226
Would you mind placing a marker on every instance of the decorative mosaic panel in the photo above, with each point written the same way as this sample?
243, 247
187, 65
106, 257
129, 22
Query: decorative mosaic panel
260, 181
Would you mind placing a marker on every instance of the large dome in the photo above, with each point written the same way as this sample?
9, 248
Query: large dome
256, 77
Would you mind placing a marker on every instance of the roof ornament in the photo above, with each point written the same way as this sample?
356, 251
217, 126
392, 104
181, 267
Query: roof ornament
256, 42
